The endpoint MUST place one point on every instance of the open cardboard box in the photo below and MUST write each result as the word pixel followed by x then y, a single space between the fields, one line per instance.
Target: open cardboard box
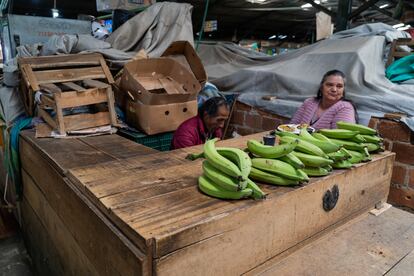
pixel 161 94
pixel 156 81
pixel 154 119
pixel 184 53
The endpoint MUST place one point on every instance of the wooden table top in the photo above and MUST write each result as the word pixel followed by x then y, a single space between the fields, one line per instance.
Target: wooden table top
pixel 65 154
pixel 153 196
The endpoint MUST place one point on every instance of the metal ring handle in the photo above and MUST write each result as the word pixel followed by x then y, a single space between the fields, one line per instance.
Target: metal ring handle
pixel 330 198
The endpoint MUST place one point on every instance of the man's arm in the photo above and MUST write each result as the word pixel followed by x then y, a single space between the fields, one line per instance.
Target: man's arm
pixel 183 140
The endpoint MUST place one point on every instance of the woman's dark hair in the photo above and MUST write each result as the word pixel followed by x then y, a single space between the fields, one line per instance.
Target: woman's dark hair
pixel 342 75
pixel 328 74
pixel 211 106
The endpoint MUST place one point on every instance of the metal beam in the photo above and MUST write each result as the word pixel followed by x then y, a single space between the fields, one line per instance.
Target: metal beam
pixel 270 9
pixel 344 9
pixel 385 12
pixel 362 8
pixel 321 8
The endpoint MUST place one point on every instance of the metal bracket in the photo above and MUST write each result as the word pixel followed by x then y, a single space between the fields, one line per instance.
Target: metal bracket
pixel 330 198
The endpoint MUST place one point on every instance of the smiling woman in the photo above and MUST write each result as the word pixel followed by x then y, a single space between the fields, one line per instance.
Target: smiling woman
pixel 329 106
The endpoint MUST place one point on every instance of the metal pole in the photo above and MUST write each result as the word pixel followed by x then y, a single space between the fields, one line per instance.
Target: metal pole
pixel 344 9
pixel 202 24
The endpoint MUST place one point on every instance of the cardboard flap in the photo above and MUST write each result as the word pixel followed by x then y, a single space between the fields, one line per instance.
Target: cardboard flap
pixel 159 81
pixel 184 53
pixel 171 86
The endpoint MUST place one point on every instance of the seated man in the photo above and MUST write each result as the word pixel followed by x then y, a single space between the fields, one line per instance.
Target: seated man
pixel 206 125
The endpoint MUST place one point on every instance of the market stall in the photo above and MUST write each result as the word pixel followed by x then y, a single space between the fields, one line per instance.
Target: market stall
pixel 94 203
pixel 127 210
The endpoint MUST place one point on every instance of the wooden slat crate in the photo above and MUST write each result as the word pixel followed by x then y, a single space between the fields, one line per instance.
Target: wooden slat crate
pixel 66 82
pixel 397 53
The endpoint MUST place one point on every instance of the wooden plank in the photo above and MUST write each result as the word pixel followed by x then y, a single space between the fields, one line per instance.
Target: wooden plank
pixel 46 100
pixel 108 249
pixel 86 120
pixel 90 96
pixel 65 75
pixel 402 54
pixel 94 84
pixel 117 146
pixel 61 60
pixel 155 183
pixel 50 87
pixel 105 68
pixel 100 177
pixel 61 123
pixel 48 119
pixel 159 160
pixel 64 154
pixel 75 261
pixel 25 78
pixel 111 106
pixel 73 86
pixel 42 250
pixel 368 245
pixel 31 77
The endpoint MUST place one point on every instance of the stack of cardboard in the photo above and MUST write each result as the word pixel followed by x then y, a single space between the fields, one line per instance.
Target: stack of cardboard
pixel 162 92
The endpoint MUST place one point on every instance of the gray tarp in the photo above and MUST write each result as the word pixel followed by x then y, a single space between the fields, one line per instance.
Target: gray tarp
pixel 155 29
pixel 295 76
pixel 152 30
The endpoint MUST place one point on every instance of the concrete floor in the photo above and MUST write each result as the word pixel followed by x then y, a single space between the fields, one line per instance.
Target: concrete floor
pixel 14 260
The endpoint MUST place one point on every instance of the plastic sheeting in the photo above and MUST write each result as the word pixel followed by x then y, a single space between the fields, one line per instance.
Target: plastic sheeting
pixel 74 44
pixel 154 29
pixel 11 106
pixel 295 76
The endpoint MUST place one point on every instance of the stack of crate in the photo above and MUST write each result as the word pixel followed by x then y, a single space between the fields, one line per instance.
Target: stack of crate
pixel 69 83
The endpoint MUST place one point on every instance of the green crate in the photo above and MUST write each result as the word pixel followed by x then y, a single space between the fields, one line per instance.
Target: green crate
pixel 161 142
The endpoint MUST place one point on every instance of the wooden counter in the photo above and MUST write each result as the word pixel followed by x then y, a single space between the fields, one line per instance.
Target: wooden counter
pixel 133 211
pixel 65 233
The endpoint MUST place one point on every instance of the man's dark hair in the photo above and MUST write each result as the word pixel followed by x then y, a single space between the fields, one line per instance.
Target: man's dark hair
pixel 211 106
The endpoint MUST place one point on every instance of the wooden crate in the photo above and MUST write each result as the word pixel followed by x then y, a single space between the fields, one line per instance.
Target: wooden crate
pixel 67 82
pixel 395 52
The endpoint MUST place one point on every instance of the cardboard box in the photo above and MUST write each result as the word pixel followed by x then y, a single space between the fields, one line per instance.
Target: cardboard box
pixel 108 5
pixel 160 94
pixel 154 119
pixel 157 81
pixel 184 53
